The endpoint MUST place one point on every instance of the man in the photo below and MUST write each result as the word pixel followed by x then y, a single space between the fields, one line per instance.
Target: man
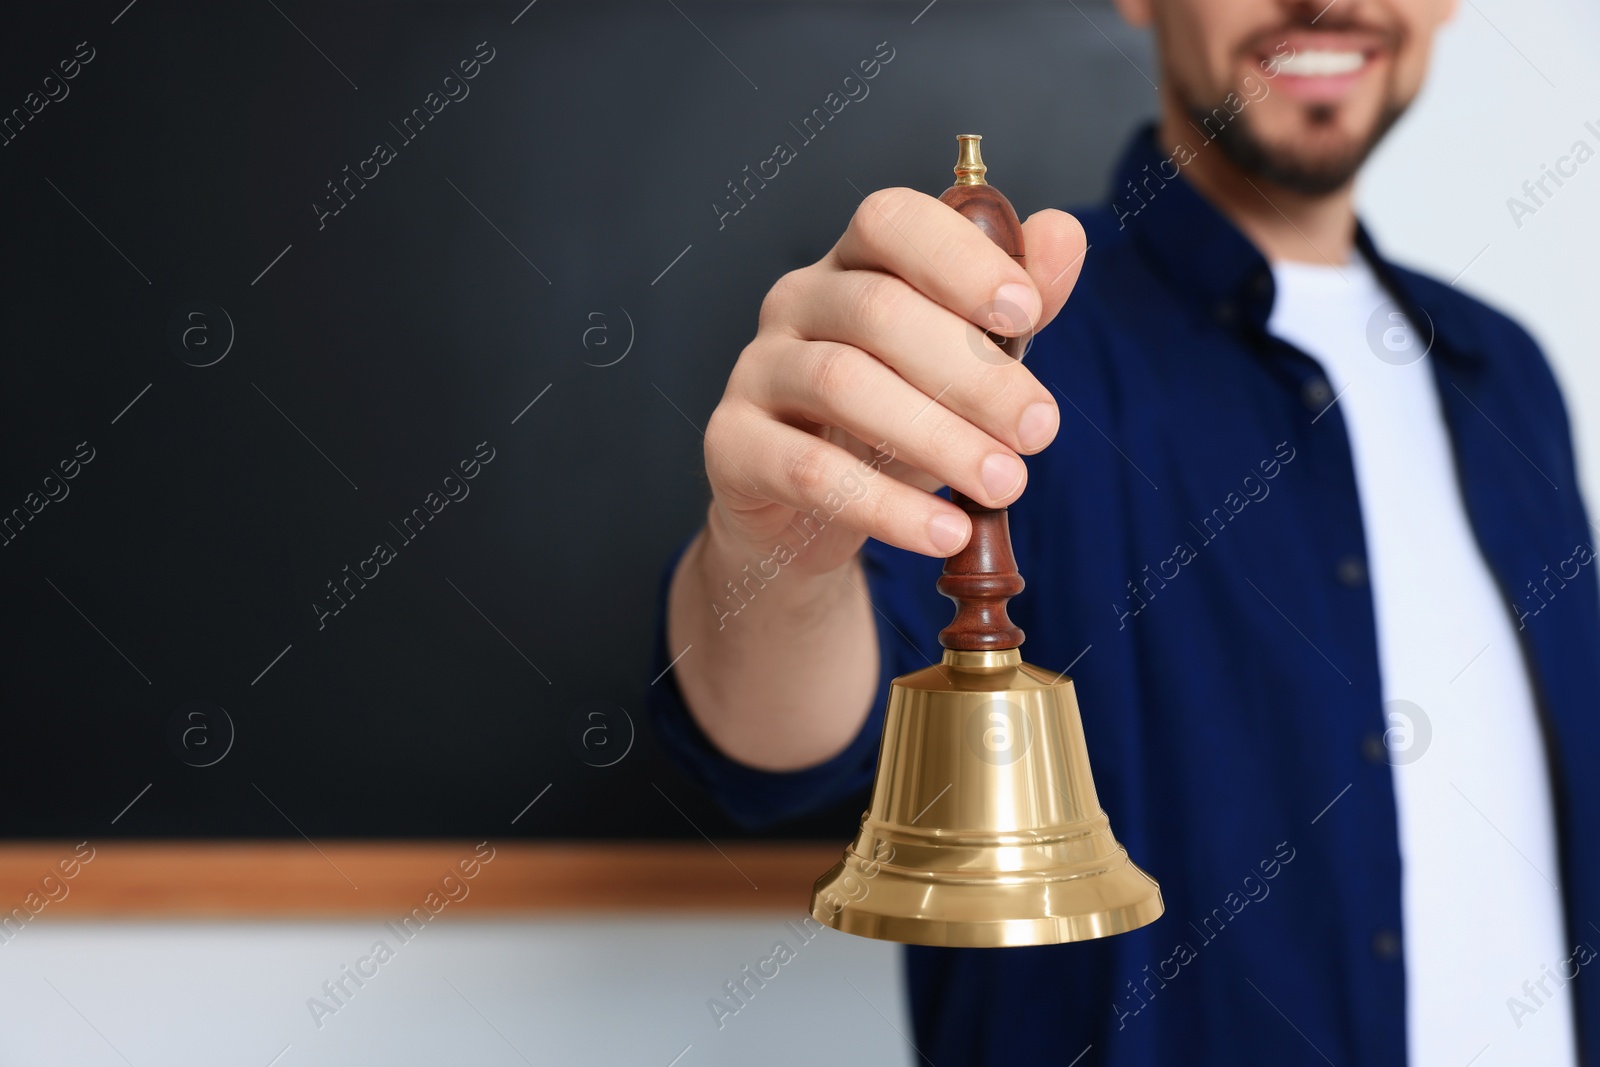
pixel 1314 552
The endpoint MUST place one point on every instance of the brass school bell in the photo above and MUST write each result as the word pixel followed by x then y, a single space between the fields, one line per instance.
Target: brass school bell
pixel 984 829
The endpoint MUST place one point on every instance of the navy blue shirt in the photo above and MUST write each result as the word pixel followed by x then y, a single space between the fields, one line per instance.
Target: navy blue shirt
pixel 1193 547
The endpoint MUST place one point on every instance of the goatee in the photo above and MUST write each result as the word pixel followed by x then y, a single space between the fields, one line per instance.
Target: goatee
pixel 1282 167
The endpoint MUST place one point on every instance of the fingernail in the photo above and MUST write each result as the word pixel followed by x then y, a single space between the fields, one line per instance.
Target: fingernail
pixel 1037 427
pixel 1002 474
pixel 947 532
pixel 1014 301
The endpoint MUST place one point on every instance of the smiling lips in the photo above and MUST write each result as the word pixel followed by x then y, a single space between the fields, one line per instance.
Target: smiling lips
pixel 1324 67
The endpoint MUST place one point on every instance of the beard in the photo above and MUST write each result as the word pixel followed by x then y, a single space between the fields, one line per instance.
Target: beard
pixel 1303 172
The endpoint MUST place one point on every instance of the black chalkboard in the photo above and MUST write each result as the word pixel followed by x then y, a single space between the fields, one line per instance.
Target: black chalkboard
pixel 284 282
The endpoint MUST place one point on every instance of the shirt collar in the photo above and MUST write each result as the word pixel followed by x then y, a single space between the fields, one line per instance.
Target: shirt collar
pixel 1213 265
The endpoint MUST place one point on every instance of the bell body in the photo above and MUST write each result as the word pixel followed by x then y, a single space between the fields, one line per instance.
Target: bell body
pixel 984 828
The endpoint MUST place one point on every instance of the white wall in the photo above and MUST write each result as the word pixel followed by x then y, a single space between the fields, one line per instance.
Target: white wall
pixel 1435 195
pixel 572 992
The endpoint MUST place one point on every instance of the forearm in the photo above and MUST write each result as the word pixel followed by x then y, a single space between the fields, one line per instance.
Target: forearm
pixel 786 682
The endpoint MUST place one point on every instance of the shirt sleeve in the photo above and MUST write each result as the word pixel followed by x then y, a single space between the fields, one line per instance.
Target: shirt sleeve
pixel 757 798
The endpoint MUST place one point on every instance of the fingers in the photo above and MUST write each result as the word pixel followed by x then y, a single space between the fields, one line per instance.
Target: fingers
pixel 825 484
pixel 930 347
pixel 885 340
pixel 1056 248
pixel 834 384
pixel 941 254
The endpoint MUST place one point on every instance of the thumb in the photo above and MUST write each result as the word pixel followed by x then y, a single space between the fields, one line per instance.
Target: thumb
pixel 1056 246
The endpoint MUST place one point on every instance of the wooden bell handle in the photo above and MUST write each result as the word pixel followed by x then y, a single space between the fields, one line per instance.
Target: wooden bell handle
pixel 983 575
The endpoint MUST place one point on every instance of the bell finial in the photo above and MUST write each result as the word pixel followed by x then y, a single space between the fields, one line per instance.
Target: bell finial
pixel 969 163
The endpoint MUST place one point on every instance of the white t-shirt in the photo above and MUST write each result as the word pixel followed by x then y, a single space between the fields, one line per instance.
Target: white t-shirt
pixel 1480 909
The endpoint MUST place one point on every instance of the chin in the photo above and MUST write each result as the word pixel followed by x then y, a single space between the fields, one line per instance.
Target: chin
pixel 1316 152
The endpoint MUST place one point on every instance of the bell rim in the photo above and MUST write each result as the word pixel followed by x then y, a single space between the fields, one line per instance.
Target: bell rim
pixel 941 912
pixel 1006 932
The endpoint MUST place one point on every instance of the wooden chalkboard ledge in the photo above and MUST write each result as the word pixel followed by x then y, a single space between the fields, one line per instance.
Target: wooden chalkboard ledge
pixel 230 879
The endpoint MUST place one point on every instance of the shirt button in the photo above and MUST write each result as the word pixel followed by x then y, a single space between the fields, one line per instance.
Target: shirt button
pixel 1386 945
pixel 1316 393
pixel 1225 311
pixel 1261 285
pixel 1373 750
pixel 1352 571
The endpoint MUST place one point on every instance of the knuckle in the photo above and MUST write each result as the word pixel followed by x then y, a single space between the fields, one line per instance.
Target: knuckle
pixel 1001 393
pixel 806 470
pixel 749 374
pixel 717 426
pixel 874 220
pixel 986 394
pixel 947 436
pixel 784 294
pixel 719 429
pixel 831 370
pixel 875 303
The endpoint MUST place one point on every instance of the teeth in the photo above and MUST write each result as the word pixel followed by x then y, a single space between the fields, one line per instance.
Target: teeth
pixel 1321 63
